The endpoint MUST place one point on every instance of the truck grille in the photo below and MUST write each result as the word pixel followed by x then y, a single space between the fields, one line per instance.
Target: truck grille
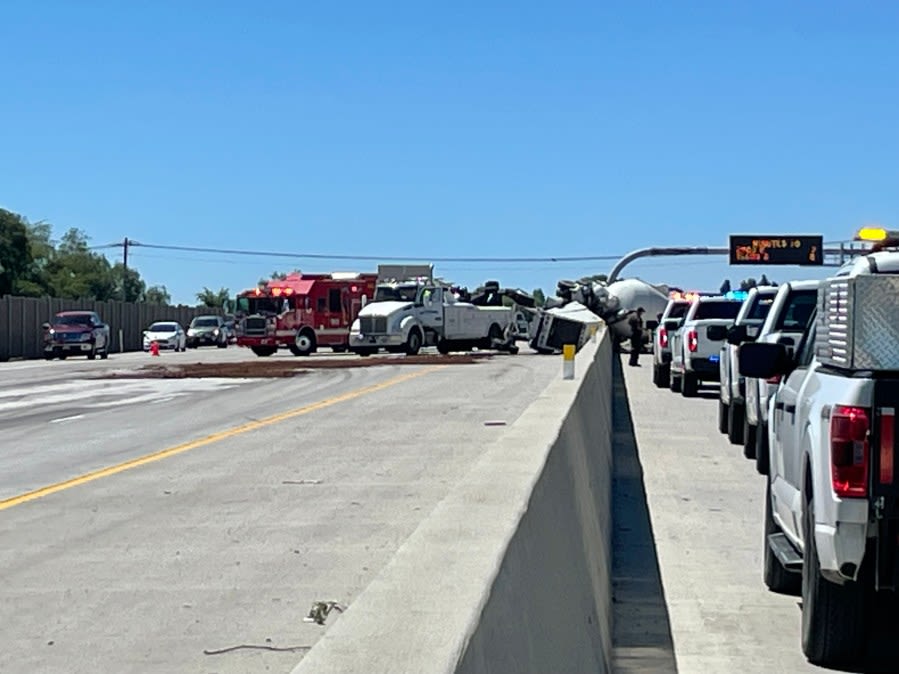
pixel 371 325
pixel 254 326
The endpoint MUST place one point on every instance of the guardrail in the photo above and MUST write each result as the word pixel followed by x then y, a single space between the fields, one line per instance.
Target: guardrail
pixel 21 319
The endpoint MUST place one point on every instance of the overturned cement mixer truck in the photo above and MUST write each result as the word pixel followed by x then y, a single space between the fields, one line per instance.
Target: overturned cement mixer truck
pixel 580 307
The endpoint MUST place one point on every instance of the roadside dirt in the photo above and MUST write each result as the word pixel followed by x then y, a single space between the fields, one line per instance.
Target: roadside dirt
pixel 263 368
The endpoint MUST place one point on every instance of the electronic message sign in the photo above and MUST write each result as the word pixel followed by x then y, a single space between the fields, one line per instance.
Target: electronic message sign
pixel 777 250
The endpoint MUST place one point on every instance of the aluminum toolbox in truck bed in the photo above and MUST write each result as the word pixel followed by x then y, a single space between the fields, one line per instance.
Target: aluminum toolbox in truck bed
pixel 858 322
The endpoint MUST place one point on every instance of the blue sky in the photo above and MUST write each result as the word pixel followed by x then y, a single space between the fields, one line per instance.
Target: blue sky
pixel 459 129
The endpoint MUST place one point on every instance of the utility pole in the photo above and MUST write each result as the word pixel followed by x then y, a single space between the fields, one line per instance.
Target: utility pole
pixel 125 245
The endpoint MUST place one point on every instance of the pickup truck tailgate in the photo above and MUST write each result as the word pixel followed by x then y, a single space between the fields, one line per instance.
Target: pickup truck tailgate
pixel 884 485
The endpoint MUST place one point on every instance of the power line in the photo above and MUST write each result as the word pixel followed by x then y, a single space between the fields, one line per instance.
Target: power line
pixel 383 258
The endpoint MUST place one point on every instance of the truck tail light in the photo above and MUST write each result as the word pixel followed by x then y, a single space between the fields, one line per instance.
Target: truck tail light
pixel 849 452
pixel 692 341
pixel 663 338
pixel 887 434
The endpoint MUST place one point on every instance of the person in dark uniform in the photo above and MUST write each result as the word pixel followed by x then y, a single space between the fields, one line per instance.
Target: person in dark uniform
pixel 636 325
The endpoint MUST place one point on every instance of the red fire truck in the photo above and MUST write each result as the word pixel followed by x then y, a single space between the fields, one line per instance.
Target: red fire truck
pixel 301 312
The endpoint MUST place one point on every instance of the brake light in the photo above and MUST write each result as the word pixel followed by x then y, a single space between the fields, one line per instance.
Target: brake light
pixel 887 429
pixel 663 337
pixel 692 341
pixel 849 455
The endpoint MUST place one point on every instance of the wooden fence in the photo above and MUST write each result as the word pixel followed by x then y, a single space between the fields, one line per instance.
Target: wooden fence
pixel 21 318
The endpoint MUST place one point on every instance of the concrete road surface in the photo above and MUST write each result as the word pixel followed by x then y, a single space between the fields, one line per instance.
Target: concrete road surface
pixel 706 504
pixel 176 517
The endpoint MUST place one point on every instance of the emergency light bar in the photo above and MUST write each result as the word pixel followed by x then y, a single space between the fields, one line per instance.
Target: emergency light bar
pixel 736 294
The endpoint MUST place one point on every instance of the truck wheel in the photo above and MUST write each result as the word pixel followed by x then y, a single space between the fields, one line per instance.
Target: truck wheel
pixel 304 344
pixel 735 416
pixel 92 354
pixel 750 433
pixel 494 335
pixel 690 385
pixel 722 417
pixel 48 356
pixel 339 348
pixel 762 450
pixel 664 376
pixel 777 578
pixel 263 351
pixel 443 347
pixel 413 345
pixel 834 621
pixel 105 353
pixel 675 383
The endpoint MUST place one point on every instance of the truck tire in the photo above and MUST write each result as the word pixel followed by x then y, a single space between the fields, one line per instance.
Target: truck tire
pixel 750 434
pixel 443 347
pixel 722 417
pixel 494 335
pixel 413 344
pixel 762 450
pixel 339 348
pixel 834 625
pixel 675 384
pixel 92 354
pixel 777 578
pixel 263 351
pixel 664 376
pixel 690 385
pixel 655 374
pixel 735 415
pixel 303 343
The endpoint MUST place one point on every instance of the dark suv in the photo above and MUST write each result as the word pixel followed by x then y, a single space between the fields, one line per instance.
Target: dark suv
pixel 207 331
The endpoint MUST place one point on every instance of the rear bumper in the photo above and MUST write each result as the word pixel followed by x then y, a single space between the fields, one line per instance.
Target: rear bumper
pixel 705 368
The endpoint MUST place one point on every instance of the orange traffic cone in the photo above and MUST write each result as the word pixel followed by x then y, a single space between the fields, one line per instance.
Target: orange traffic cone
pixel 154 348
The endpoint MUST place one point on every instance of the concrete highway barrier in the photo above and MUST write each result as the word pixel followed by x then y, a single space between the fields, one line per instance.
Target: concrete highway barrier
pixel 512 571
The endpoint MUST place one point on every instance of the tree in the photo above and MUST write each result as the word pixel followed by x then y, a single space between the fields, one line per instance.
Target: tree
pixel 129 286
pixel 539 297
pixel 15 251
pixel 74 272
pixel 157 295
pixel 725 287
pixel 211 298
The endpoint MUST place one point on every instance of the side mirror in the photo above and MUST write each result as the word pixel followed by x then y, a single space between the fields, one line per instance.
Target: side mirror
pixel 762 360
pixel 716 333
pixel 45 327
pixel 737 334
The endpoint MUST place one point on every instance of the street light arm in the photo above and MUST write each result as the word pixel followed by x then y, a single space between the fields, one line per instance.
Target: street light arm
pixel 655 252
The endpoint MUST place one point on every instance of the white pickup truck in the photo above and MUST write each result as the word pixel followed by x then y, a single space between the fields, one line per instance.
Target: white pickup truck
pixel 661 348
pixel 696 344
pixel 786 322
pixel 746 327
pixel 435 317
pixel 832 507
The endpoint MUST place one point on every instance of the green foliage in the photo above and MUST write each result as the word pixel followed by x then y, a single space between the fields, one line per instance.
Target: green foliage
pixel 539 297
pixel 212 298
pixel 157 295
pixel 67 269
pixel 15 250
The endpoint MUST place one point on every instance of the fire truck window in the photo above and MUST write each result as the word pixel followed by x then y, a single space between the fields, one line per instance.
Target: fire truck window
pixel 334 300
pixel 320 306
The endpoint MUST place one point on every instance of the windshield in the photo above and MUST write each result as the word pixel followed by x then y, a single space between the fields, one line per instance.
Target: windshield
pixel 761 308
pixel 264 305
pixel 801 304
pixel 396 293
pixel 74 319
pixel 723 309
pixel 678 310
pixel 162 327
pixel 205 322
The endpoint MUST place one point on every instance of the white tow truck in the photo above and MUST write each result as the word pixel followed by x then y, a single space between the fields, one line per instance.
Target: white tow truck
pixel 696 344
pixel 428 314
pixel 832 507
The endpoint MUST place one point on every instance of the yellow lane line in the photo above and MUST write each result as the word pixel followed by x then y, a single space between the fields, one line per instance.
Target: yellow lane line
pixel 208 440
